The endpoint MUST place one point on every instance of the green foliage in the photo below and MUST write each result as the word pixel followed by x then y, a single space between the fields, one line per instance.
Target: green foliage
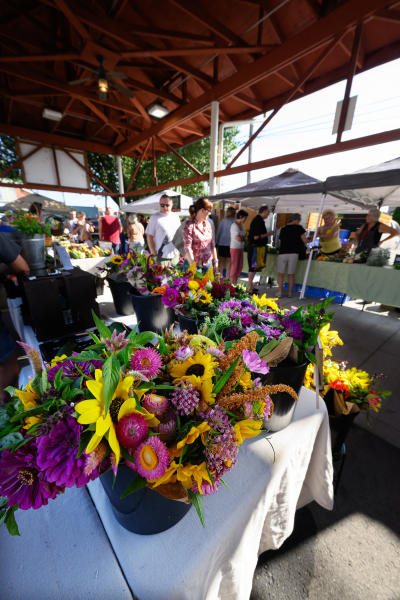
pixel 197 501
pixel 396 214
pixel 169 167
pixel 8 156
pixel 26 223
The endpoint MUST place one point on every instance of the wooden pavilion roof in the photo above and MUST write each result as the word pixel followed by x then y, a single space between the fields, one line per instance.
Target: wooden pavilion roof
pixel 251 55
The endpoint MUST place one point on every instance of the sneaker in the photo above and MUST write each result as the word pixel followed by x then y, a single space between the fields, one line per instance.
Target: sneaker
pixel 290 295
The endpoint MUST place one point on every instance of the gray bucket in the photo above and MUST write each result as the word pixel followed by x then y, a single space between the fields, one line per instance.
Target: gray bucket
pixel 33 251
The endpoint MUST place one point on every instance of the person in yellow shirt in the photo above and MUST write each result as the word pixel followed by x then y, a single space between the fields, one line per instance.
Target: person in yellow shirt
pixel 328 233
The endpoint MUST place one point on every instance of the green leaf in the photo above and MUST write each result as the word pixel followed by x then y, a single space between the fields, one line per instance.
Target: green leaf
pixel 162 346
pixel 224 378
pixel 111 373
pixel 43 381
pixel 137 484
pixel 10 521
pixel 197 501
pixel 132 334
pixel 84 439
pixel 58 379
pixel 267 348
pixel 86 355
pixel 94 337
pixel 102 328
pixel 143 338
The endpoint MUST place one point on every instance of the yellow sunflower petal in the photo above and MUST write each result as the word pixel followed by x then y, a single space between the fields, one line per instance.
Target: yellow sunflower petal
pixel 169 475
pixel 85 405
pixel 114 444
pixel 103 424
pixel 193 434
pixel 127 408
pixel 247 429
pixel 94 442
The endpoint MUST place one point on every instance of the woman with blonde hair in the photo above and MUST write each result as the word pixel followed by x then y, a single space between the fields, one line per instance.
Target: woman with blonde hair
pixel 135 234
pixel 328 233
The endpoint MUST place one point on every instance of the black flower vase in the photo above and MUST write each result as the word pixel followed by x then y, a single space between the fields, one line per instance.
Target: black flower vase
pixel 151 313
pixel 145 511
pixel 287 373
pixel 120 290
pixel 188 323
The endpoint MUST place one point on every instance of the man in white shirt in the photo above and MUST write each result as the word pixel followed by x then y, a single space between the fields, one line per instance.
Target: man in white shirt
pixel 160 232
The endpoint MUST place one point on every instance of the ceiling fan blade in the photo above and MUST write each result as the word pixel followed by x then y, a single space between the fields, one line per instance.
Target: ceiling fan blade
pixel 77 81
pixel 121 89
pixel 116 75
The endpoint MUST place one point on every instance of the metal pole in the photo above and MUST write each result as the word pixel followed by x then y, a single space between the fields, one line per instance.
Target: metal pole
pixel 303 287
pixel 250 158
pixel 120 180
pixel 213 144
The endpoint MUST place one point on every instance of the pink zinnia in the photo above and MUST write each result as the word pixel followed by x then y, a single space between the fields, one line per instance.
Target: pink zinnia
pixel 171 297
pixel 151 458
pixel 254 363
pixel 146 361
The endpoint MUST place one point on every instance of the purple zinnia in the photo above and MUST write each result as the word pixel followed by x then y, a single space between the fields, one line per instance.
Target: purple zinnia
pixel 57 454
pixel 270 332
pixel 232 304
pixel 147 361
pixel 254 363
pixel 72 369
pixel 22 481
pixel 171 297
pixel 245 319
pixel 294 329
pixel 186 399
pixel 181 283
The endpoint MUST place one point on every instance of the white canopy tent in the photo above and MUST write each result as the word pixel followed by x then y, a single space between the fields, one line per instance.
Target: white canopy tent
pixel 151 204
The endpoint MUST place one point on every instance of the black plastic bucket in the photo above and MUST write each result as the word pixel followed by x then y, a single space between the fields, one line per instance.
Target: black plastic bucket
pixel 188 324
pixel 291 374
pixel 145 511
pixel 120 291
pixel 151 313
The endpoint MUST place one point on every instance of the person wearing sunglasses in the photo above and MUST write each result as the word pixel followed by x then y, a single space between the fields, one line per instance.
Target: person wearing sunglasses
pixel 160 232
pixel 198 237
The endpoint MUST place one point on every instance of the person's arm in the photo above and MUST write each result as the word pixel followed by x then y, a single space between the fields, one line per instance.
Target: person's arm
pixel 329 233
pixel 386 229
pixel 150 241
pixel 303 239
pixel 100 229
pixel 187 235
pixel 354 235
pixel 120 226
pixel 19 265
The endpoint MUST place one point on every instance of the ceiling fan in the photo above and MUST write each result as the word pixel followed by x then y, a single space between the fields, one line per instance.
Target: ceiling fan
pixel 104 79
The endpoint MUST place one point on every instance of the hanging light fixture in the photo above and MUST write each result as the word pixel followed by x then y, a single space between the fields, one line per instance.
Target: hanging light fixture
pixel 102 81
pixel 157 110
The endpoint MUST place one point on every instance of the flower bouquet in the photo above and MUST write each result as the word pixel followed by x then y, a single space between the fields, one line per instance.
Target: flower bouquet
pixel 173 409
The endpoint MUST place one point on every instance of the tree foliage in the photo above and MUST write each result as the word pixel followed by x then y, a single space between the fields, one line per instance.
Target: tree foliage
pixel 8 156
pixel 169 167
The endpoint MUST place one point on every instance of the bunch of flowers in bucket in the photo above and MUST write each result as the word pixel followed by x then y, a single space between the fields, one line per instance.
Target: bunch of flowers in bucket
pixel 139 270
pixel 283 334
pixel 196 294
pixel 174 409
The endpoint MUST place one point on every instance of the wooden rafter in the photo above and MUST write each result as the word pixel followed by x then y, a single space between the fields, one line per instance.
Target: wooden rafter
pixel 156 52
pixel 181 158
pixel 72 18
pixel 88 171
pixel 20 160
pixel 135 172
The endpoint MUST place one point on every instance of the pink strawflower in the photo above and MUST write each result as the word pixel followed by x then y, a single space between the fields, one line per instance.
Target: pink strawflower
pixel 132 430
pixel 183 353
pixel 206 488
pixel 158 405
pixel 151 458
pixel 254 363
pixel 147 361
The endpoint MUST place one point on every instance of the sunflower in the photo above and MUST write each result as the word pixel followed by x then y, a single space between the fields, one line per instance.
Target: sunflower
pixel 201 365
pixel 92 411
pixel 203 297
pixel 265 302
pixel 117 260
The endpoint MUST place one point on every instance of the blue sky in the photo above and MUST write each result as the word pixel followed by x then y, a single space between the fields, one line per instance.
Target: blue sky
pixel 307 123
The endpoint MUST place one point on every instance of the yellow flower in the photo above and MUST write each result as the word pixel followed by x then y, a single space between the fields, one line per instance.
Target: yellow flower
pixel 247 429
pixel 193 285
pixel 203 296
pixel 57 359
pixel 264 301
pixel 245 380
pixel 168 477
pixel 92 411
pixel 329 339
pixel 117 260
pixel 186 474
pixel 193 434
pixel 200 364
pixel 28 398
pixel 309 377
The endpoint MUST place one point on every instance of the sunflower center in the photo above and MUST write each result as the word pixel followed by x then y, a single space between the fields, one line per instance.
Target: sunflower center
pixel 26 476
pixel 148 457
pixel 196 370
pixel 114 409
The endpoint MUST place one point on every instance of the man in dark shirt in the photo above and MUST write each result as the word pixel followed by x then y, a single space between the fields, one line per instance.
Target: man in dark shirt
pixel 292 244
pixel 258 236
pixel 10 255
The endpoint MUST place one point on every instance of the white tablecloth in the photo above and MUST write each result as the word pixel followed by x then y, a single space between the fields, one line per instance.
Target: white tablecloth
pixel 255 514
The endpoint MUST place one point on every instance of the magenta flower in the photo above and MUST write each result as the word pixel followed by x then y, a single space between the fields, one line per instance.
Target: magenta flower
pixel 171 297
pixel 167 430
pixel 254 363
pixel 116 342
pixel 151 458
pixel 269 408
pixel 72 369
pixel 22 481
pixel 132 430
pixel 207 488
pixel 158 405
pixel 147 361
pixel 185 399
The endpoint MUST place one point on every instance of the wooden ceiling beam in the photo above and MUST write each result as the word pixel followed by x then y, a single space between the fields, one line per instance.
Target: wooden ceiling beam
pixel 55 139
pixel 72 18
pixel 181 158
pixel 306 42
pixel 352 69
pixel 392 16
pixel 155 52
pixel 197 12
pixel 62 56
pixel 135 172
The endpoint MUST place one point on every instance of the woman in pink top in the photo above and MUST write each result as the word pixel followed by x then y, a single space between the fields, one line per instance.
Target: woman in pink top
pixel 198 239
pixel 109 229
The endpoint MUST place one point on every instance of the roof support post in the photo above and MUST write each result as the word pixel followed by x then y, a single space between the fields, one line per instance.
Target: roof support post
pixel 120 180
pixel 304 284
pixel 213 145
pixel 353 65
pixel 135 172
